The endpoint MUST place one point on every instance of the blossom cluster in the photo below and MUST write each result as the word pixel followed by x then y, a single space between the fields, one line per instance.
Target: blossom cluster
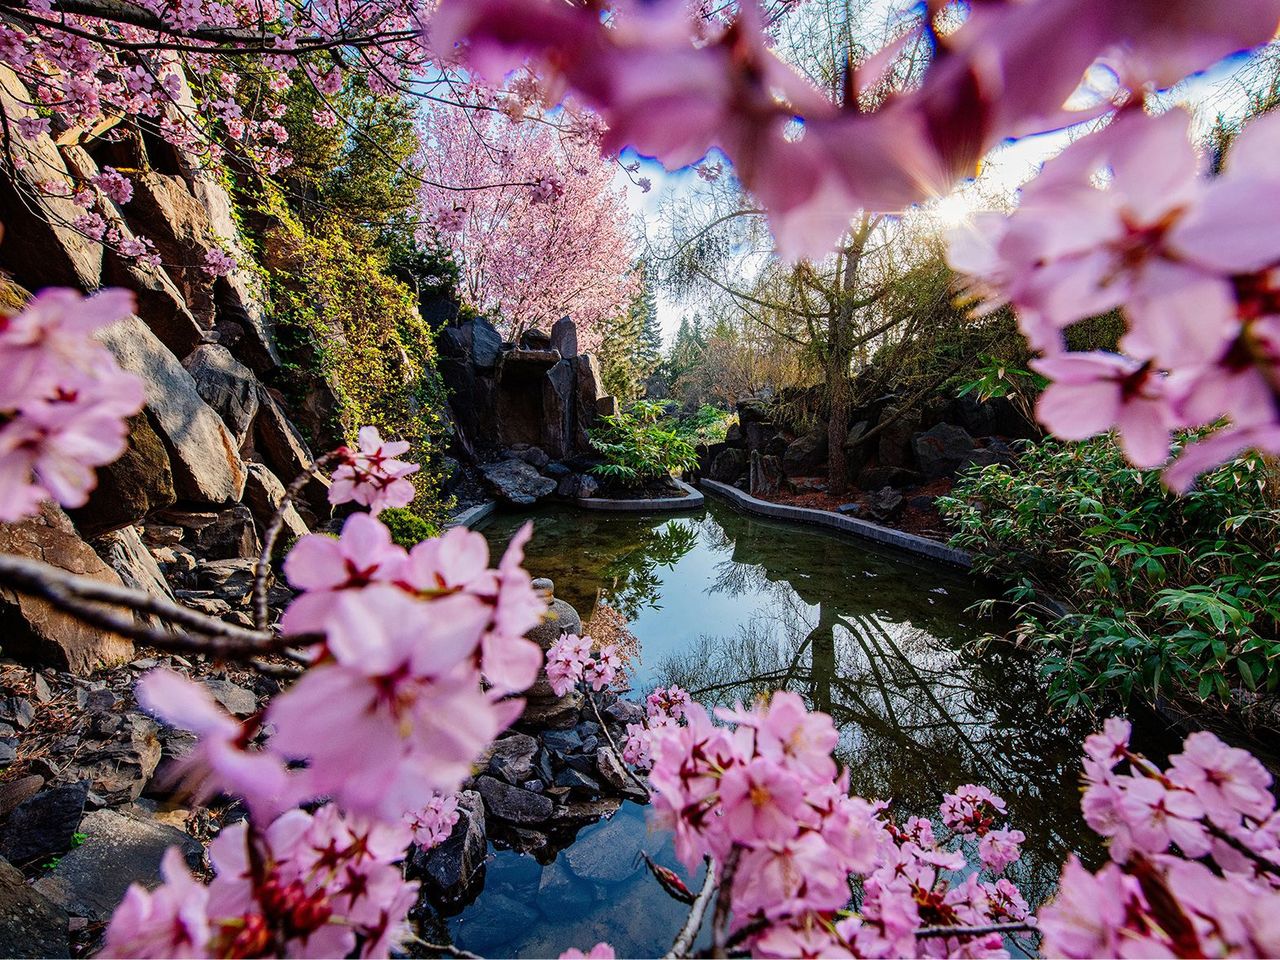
pixel 1195 855
pixel 664 707
pixel 63 399
pixel 572 660
pixel 765 800
pixel 1126 218
pixel 417 656
pixel 371 475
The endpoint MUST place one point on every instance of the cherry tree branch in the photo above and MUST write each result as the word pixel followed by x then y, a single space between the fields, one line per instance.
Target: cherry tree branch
pixel 724 902
pixel 697 911
pixel 614 747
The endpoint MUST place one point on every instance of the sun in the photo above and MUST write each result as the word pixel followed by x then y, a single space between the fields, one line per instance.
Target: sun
pixel 951 211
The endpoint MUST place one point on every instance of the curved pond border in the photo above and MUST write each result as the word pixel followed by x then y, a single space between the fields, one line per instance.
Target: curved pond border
pixel 921 546
pixel 472 515
pixel 691 501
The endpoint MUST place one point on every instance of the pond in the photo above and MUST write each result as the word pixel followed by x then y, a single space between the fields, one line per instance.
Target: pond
pixel 730 607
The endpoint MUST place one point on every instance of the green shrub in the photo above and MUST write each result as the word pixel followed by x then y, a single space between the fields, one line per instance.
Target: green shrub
pixel 709 425
pixel 639 446
pixel 1165 595
pixel 407 528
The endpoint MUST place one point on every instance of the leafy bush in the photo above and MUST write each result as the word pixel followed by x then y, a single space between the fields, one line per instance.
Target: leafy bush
pixel 709 425
pixel 407 528
pixel 1168 595
pixel 638 446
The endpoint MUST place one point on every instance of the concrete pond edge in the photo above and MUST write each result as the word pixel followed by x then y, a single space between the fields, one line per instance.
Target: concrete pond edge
pixel 472 515
pixel 886 536
pixel 691 501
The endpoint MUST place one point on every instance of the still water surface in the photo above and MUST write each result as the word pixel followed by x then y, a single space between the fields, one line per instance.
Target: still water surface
pixel 729 607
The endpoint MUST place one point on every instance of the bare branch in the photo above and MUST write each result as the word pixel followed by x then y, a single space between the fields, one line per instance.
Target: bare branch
pixel 693 923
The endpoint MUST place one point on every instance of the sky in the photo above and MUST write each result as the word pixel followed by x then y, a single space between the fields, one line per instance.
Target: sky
pixel 1004 170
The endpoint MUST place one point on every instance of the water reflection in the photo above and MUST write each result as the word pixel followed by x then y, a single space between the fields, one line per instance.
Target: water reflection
pixel 731 607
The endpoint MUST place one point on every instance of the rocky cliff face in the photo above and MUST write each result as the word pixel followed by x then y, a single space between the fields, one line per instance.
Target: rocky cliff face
pixel 209 456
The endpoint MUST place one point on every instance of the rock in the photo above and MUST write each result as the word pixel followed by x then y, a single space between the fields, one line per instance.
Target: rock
pixel 615 774
pixel 202 452
pixel 591 392
pixel 558 885
pixel 729 465
pixel 578 486
pixel 849 509
pixel 733 436
pixel 535 339
pixel 263 493
pixel 31 925
pixel 608 853
pixel 486 345
pixel 226 385
pixel 894 448
pixel 557 470
pixel 125 553
pixel 17 711
pixel 607 407
pixel 39 246
pixel 161 308
pixel 558 406
pixel 286 453
pixel 855 452
pixel 563 741
pixel 885 503
pixel 515 482
pixel 513 804
pixel 564 337
pixel 554 713
pixel 979 418
pixel 806 455
pixel 43 826
pixel 576 780
pixel 32 629
pixel 920 502
pixel 225 535
pixel 118 850
pixel 492 921
pixel 577 812
pixel 512 758
pixel 236 699
pixel 752 410
pixel 455 863
pixel 14 792
pixel 130 488
pixel 873 478
pixel 765 476
pixel 942 450
pixel 535 457
pixel 119 756
pixel 515 360
pixel 624 712
pixel 231 580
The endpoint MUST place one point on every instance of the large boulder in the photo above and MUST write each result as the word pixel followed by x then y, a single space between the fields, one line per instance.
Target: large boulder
pixel 127 555
pixel 217 535
pixel 486 344
pixel 263 493
pixel 564 337
pixel 226 385
pixel 202 452
pixel 39 247
pixel 558 403
pixel 894 448
pixel 806 455
pixel 942 450
pixel 855 450
pixel 578 486
pixel 130 488
pixel 281 446
pixel 729 465
pixel 590 392
pixel 31 925
pixel 34 630
pixel 517 483
pixel 160 304
pixel 513 804
pixel 765 475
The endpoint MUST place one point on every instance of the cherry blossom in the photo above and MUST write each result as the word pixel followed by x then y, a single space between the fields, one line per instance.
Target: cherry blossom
pixel 170 921
pixel 372 476
pixel 601 951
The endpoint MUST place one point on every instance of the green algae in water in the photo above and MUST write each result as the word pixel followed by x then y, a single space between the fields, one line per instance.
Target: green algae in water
pixel 731 607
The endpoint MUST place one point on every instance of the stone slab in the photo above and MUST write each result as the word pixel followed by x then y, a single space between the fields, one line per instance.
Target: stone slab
pixel 909 542
pixel 693 501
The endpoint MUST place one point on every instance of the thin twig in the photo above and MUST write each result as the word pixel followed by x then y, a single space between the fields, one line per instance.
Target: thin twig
pixel 85 598
pixel 273 533
pixel 614 747
pixel 451 950
pixel 720 920
pixel 1025 926
pixel 1267 866
pixel 697 911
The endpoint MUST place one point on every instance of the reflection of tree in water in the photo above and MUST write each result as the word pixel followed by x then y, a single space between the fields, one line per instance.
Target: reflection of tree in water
pixel 630 583
pixel 916 716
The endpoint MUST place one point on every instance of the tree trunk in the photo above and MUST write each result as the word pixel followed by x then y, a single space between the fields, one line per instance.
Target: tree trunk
pixel 840 356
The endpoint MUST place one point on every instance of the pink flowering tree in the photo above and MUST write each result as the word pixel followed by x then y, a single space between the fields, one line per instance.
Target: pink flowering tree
pixel 533 216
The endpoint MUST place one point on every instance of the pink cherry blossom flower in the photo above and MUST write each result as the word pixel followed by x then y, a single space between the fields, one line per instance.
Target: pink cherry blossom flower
pixel 788 732
pixel 667 701
pixel 1228 781
pixel 1110 745
pixel 372 476
pixel 970 809
pixel 219 263
pixel 114 184
pixel 33 127
pixel 169 921
pixel 432 824
pixel 1157 816
pixel 760 802
pixel 1095 392
pixel 999 848
pixel 222 759
pixel 601 951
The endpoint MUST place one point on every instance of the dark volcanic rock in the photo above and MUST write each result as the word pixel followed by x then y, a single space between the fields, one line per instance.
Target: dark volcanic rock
pixel 805 456
pixel 512 758
pixel 943 449
pixel 513 804
pixel 30 924
pixel 515 482
pixel 453 865
pixel 885 503
pixel 578 486
pixel 42 826
pixel 564 337
pixel 118 850
pixel 136 484
pixel 729 465
pixel 765 476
